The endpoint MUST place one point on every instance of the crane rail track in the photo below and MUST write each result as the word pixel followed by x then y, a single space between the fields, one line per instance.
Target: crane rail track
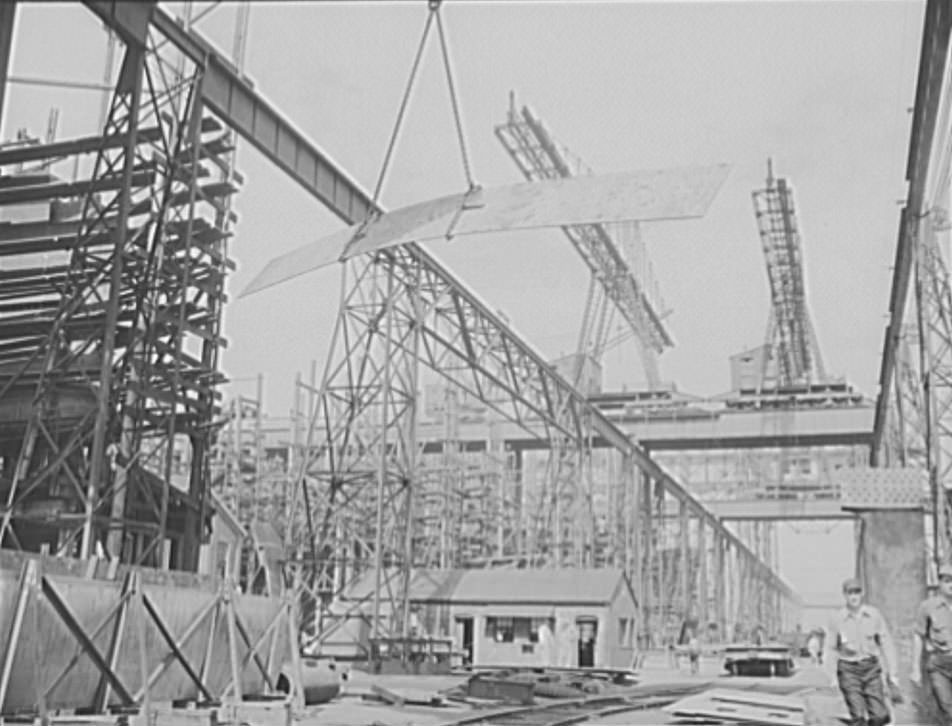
pixel 565 712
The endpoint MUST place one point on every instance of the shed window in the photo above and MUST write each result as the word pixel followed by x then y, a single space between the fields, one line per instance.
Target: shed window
pixel 626 632
pixel 502 630
pixel 535 624
pixel 511 630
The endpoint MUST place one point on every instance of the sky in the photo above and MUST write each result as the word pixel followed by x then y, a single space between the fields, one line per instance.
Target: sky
pixel 823 88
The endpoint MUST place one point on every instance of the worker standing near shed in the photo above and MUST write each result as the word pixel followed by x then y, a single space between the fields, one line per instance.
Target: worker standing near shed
pixel 855 645
pixel 933 638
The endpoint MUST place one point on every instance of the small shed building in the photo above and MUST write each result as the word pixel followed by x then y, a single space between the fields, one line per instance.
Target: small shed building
pixel 551 617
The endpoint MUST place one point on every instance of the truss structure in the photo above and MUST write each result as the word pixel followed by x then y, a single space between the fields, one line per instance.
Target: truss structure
pixel 128 341
pixel 368 493
pixel 110 322
pixel 614 283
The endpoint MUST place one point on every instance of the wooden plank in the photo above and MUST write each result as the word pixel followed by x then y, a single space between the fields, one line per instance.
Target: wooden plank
pixel 38 245
pixel 43 192
pixel 82 145
pixel 27 576
pixel 386 694
pixel 412 696
pixel 744 706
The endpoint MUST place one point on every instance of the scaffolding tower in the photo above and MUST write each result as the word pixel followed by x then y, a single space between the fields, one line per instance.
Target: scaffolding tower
pixel 791 339
pixel 110 321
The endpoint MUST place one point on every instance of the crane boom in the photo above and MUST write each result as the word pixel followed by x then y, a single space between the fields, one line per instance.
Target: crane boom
pixel 539 157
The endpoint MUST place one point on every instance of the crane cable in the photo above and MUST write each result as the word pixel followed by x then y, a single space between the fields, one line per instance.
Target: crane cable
pixel 403 107
pixel 454 101
pixel 434 7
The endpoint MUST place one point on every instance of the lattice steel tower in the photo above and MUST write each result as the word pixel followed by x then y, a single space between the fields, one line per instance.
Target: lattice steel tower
pixel 791 339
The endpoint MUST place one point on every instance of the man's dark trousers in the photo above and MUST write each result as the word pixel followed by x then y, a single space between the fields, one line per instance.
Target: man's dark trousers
pixel 861 683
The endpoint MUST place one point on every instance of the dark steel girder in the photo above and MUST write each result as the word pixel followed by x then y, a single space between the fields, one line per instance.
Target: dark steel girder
pixel 8 12
pixel 935 45
pixel 244 110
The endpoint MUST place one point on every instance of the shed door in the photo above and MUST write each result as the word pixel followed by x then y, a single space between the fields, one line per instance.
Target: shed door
pixel 587 636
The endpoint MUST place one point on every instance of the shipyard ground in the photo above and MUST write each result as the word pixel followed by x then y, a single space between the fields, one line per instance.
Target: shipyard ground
pixel 825 706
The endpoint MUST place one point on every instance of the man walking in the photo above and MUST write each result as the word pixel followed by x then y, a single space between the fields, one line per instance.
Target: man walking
pixel 856 643
pixel 933 636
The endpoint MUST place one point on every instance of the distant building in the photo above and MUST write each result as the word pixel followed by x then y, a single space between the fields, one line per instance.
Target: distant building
pixel 753 369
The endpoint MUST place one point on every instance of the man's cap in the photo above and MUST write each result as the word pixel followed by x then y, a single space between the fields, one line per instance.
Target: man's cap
pixel 852 583
pixel 945 570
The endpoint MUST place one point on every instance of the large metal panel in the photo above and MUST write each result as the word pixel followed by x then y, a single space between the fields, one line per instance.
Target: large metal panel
pixel 46 647
pixel 639 195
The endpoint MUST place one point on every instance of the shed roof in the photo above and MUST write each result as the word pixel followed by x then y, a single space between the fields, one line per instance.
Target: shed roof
pixel 425 584
pixel 591 586
pixel 583 586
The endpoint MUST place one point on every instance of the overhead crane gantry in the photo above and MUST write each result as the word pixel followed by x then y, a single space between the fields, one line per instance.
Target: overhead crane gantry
pixel 485 351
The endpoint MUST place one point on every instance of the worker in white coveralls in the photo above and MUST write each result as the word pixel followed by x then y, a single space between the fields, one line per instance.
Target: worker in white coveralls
pixel 857 650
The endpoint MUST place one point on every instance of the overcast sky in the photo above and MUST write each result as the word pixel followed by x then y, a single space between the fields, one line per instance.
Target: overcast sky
pixel 824 88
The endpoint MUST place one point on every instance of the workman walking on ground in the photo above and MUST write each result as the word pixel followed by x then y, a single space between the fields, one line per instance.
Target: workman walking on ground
pixel 933 636
pixel 855 646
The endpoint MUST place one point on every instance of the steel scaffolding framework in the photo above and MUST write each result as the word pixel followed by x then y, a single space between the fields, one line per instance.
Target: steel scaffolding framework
pixel 111 322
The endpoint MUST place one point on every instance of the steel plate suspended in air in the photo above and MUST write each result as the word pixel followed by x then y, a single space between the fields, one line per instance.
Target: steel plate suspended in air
pixel 641 195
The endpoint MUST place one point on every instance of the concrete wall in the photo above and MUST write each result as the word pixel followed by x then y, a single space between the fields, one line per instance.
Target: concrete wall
pixel 892 566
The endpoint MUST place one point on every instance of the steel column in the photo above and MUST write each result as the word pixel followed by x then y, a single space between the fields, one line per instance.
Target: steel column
pixel 684 564
pixel 8 11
